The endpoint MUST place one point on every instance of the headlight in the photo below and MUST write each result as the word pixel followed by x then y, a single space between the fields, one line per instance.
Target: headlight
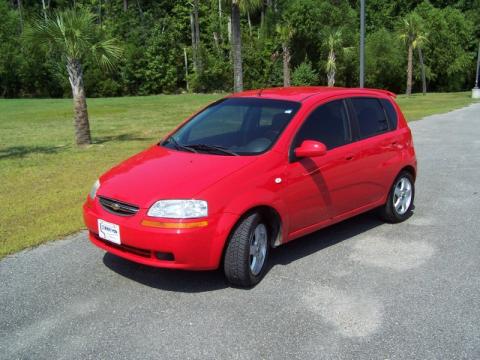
pixel 95 187
pixel 179 209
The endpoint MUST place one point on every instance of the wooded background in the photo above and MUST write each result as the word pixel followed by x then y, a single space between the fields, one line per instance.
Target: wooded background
pixel 157 36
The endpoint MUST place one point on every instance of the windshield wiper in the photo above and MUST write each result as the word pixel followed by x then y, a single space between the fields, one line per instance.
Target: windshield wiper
pixel 211 148
pixel 179 146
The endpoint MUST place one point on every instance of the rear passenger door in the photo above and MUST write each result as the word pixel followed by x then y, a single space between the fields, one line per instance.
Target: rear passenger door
pixel 376 147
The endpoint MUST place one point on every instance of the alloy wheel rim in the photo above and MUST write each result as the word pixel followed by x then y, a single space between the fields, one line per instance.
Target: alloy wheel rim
pixel 258 249
pixel 402 195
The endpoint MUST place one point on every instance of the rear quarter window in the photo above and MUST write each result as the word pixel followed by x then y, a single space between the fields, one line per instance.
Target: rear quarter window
pixel 391 113
pixel 371 117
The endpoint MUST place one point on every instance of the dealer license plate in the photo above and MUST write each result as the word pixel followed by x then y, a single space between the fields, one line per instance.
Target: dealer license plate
pixel 109 231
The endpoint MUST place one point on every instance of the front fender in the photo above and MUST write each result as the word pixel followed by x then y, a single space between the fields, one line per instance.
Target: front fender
pixel 250 199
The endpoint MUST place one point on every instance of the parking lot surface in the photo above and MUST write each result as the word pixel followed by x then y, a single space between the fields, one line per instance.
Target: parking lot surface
pixel 361 289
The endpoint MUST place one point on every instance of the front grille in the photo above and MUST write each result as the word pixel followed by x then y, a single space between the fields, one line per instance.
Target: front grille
pixel 117 207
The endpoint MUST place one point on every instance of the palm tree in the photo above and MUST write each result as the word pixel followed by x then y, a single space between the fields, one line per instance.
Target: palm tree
pixel 422 67
pixel 334 40
pixel 236 7
pixel 72 35
pixel 285 33
pixel 411 33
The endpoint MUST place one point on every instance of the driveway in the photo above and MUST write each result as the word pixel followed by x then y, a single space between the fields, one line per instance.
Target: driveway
pixel 359 290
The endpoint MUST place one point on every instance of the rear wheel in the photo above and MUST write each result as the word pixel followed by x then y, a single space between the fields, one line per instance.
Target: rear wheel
pixel 399 203
pixel 247 251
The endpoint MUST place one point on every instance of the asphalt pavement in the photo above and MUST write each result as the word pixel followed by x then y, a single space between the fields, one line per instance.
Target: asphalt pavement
pixel 361 289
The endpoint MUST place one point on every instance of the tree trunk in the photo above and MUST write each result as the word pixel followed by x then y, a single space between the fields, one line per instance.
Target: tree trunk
pixel 82 126
pixel 262 18
pixel 409 70
pixel 237 49
pixel 249 23
pixel 195 18
pixel 125 5
pixel 286 65
pixel 197 35
pixel 220 19
pixel 194 43
pixel 422 66
pixel 229 29
pixel 100 12
pixel 216 40
pixel 19 7
pixel 44 10
pixel 332 69
pixel 186 67
pixel 140 10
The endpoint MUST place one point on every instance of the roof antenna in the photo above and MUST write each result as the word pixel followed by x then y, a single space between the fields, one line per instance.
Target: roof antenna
pixel 260 92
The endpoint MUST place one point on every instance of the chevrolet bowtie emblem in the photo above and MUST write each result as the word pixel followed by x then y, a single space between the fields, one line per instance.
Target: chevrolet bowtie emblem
pixel 115 206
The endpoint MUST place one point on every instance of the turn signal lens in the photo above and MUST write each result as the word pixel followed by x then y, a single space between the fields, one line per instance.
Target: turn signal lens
pixel 174 225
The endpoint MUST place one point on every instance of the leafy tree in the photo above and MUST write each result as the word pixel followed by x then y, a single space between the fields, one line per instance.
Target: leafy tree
pixel 263 63
pixel 412 34
pixel 10 56
pixel 163 68
pixel 452 47
pixel 385 61
pixel 155 34
pixel 305 75
pixel 72 34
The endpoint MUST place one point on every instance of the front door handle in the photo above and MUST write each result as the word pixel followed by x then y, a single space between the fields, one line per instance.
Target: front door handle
pixel 349 157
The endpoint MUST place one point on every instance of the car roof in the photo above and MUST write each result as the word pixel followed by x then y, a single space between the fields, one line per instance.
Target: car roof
pixel 301 93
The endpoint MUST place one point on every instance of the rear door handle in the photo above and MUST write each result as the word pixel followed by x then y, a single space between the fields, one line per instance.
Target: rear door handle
pixel 349 157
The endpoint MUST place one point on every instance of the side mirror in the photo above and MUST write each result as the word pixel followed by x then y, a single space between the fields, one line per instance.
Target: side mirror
pixel 310 148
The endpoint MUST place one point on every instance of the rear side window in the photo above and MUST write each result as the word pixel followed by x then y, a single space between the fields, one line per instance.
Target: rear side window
pixel 371 116
pixel 391 113
pixel 327 124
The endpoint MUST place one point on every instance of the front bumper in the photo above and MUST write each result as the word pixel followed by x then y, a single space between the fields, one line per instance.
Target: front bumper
pixel 191 249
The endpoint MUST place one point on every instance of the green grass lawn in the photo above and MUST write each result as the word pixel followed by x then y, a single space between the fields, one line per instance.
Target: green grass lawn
pixel 45 178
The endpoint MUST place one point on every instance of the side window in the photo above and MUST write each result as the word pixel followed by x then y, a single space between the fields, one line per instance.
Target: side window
pixel 327 124
pixel 370 115
pixel 391 113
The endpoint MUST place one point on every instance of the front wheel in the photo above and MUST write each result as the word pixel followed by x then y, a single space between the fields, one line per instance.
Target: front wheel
pixel 399 203
pixel 247 251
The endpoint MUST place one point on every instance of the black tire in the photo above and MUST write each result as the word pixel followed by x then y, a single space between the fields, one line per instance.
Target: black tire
pixel 389 212
pixel 237 254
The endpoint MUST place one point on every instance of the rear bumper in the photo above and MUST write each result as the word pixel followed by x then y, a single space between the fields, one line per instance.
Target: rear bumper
pixel 191 249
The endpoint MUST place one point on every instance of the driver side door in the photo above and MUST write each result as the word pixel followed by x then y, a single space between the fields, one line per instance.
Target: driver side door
pixel 318 188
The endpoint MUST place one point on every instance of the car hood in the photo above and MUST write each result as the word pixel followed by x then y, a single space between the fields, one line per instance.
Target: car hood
pixel 161 173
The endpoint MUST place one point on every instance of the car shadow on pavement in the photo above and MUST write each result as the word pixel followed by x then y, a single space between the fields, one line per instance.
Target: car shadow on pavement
pixel 324 238
pixel 203 281
pixel 166 279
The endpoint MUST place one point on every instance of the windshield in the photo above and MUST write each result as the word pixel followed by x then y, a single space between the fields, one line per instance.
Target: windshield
pixel 234 126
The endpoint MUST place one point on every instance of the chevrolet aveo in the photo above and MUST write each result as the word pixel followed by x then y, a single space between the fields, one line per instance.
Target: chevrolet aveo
pixel 253 171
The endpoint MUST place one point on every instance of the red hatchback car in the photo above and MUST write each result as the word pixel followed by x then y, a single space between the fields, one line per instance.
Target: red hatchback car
pixel 251 172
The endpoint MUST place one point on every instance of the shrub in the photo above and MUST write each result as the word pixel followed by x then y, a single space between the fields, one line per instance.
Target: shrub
pixel 304 74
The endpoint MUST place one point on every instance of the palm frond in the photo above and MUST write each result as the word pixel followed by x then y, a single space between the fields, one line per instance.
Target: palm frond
pixel 333 39
pixel 285 32
pixel 249 5
pixel 74 33
pixel 107 53
pixel 411 30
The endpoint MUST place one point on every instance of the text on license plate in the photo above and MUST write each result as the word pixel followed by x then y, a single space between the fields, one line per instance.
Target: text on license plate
pixel 109 231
